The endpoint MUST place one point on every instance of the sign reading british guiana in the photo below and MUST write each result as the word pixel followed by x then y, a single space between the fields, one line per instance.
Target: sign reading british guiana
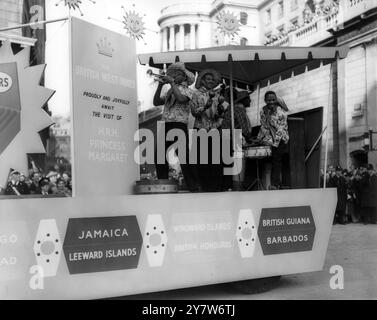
pixel 102 244
pixel 286 230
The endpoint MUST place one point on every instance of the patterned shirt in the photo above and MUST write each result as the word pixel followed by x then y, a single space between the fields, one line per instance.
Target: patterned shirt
pixel 205 118
pixel 175 111
pixel 241 120
pixel 274 126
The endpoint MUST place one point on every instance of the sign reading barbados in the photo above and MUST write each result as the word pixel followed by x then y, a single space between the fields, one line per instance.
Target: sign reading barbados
pixel 286 230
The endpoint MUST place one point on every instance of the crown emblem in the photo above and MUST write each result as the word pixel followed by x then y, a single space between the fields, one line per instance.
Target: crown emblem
pixel 105 48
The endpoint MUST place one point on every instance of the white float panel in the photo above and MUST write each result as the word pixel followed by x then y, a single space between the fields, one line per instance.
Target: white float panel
pixel 105 241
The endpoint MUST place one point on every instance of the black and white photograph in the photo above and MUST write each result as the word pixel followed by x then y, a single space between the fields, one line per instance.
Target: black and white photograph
pixel 188 154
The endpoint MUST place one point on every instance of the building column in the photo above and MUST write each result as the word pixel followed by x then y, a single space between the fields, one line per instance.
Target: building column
pixel 192 36
pixel 164 33
pixel 182 37
pixel 204 28
pixel 343 144
pixel 371 77
pixel 172 38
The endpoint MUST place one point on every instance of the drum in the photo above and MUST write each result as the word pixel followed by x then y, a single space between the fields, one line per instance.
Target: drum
pixel 257 152
pixel 155 186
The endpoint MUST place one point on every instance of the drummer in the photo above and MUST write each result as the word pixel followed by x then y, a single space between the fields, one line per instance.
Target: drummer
pixel 241 121
pixel 274 133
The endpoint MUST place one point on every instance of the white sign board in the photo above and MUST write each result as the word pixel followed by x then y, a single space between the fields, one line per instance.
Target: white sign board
pixel 104 109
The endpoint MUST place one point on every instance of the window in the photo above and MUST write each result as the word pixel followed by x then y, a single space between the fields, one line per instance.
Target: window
pixel 281 28
pixel 281 9
pixel 243 42
pixel 243 18
pixel 268 16
pixel 294 5
pixel 294 22
pixel 294 25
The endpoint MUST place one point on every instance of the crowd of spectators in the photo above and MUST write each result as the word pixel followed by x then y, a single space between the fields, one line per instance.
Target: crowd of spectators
pixel 36 183
pixel 357 193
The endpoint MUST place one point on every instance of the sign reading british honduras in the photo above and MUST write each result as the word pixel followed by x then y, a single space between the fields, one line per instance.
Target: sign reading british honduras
pixel 102 244
pixel 201 237
pixel 286 230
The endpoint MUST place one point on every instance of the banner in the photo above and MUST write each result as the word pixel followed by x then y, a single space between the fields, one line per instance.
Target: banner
pixel 104 102
pixel 34 11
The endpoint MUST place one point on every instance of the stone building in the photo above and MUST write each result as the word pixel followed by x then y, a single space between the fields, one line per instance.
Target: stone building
pixel 192 24
pixel 349 101
pixel 353 108
pixel 10 15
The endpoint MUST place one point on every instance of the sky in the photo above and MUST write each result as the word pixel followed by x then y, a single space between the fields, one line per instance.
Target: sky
pixel 57 70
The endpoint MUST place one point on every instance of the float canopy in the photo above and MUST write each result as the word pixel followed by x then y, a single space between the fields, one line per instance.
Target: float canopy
pixel 250 64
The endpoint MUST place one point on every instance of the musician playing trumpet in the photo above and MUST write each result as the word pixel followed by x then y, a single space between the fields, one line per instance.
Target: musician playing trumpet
pixel 175 115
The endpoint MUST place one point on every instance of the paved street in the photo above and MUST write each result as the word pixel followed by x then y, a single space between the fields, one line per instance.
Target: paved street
pixel 353 246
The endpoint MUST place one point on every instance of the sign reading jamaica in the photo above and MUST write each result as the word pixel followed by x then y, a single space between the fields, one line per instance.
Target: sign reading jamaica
pixel 286 230
pixel 102 244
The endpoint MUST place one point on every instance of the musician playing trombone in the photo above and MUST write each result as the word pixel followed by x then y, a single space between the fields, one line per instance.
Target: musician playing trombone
pixel 205 108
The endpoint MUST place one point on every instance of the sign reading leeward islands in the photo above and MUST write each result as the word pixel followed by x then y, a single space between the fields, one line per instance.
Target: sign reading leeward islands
pixel 286 230
pixel 102 244
pixel 104 108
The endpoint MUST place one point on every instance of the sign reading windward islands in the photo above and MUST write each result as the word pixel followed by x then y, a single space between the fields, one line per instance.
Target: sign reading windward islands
pixel 102 244
pixel 286 230
pixel 104 108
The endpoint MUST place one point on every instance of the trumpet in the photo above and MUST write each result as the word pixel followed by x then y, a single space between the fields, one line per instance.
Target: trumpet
pixel 157 75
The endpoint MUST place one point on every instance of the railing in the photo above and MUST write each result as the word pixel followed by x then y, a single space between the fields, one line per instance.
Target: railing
pixel 307 30
pixel 332 20
pixel 316 30
pixel 283 42
pixel 354 8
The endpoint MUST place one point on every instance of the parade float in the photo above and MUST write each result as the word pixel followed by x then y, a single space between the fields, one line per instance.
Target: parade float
pixel 106 241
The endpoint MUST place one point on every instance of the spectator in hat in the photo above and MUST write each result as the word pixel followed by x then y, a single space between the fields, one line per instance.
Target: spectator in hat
pixel 35 186
pixel 61 189
pixel 67 179
pixel 15 187
pixel 373 193
pixel 339 182
pixel 368 184
pixel 44 185
pixel 53 178
pixel 176 116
